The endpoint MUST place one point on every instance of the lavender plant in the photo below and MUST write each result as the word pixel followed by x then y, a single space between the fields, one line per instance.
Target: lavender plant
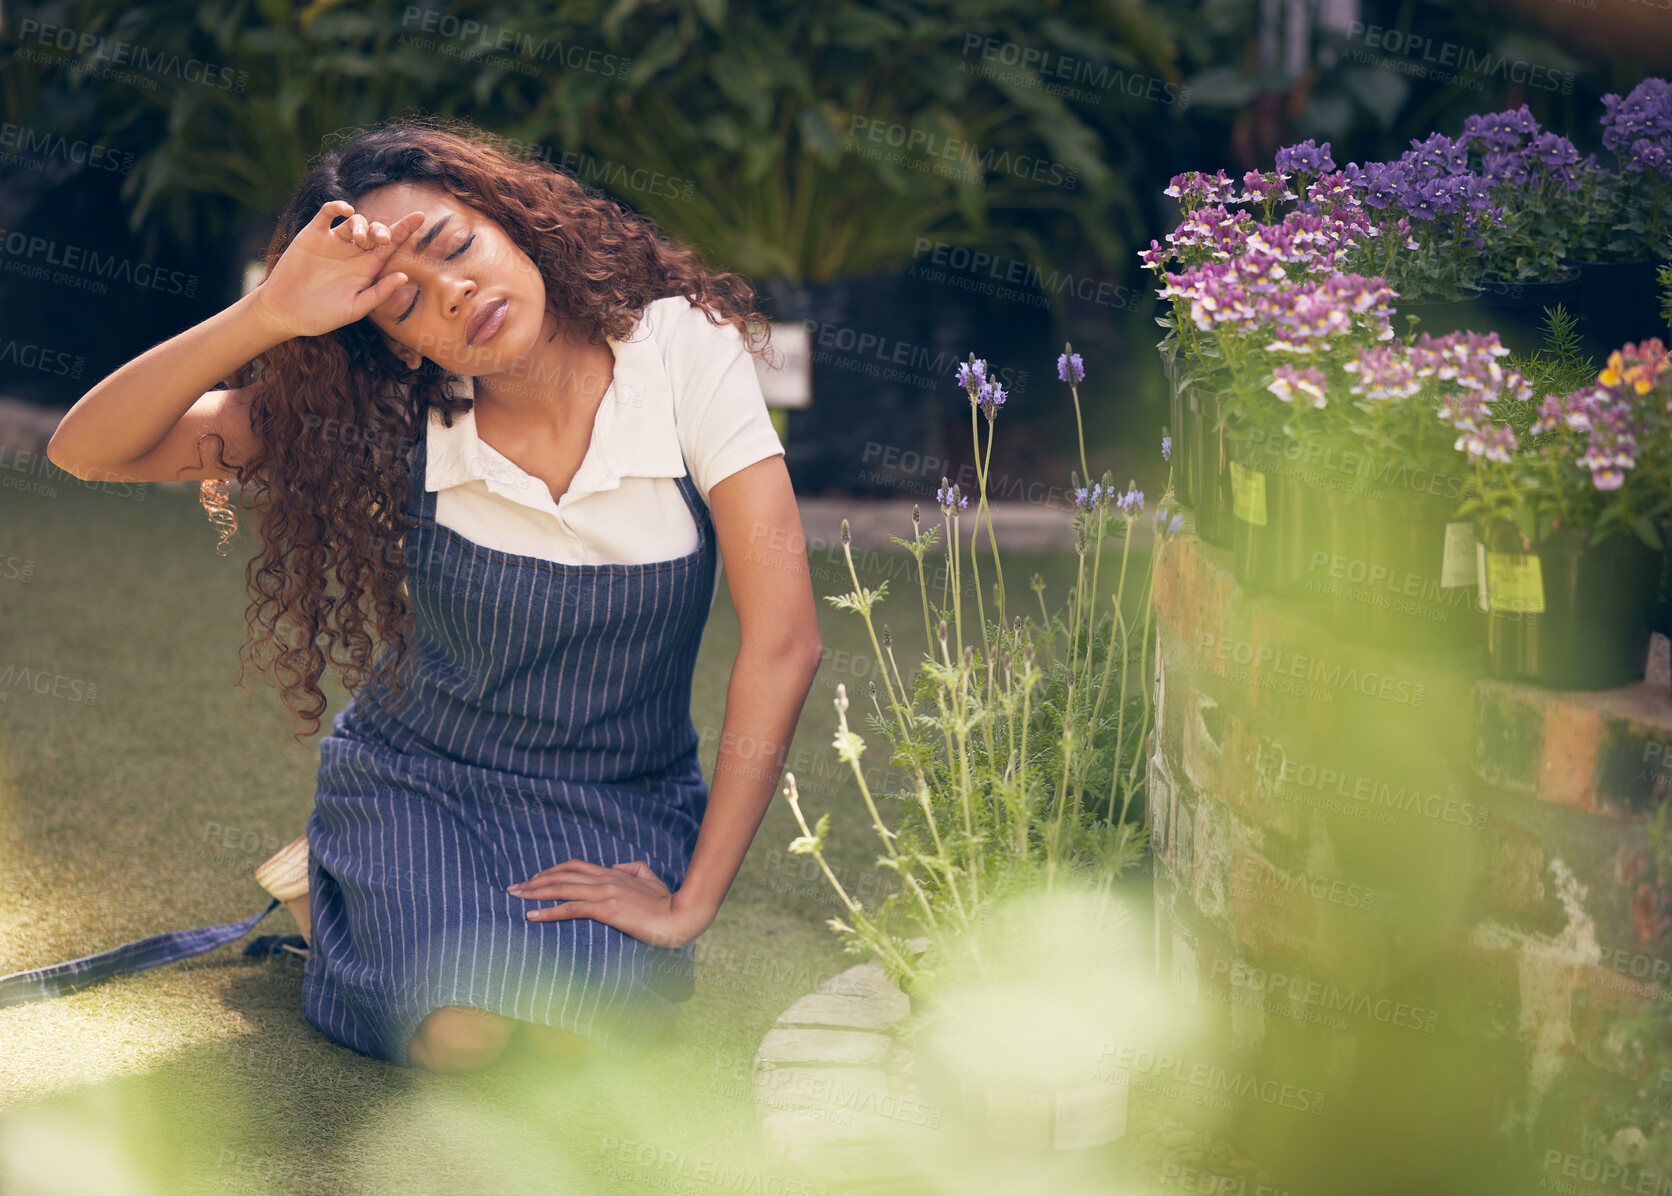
pixel 1025 746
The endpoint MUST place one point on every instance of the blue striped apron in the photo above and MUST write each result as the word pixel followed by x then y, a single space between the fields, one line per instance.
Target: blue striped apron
pixel 544 715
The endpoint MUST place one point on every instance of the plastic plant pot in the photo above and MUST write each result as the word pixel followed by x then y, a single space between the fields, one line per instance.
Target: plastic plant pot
pixel 1566 613
pixel 1400 572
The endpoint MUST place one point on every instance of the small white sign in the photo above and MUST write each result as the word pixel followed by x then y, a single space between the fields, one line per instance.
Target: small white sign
pixel 1482 593
pixel 786 369
pixel 1089 1116
pixel 1459 567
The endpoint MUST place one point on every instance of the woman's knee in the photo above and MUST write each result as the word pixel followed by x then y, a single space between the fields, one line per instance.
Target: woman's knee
pixel 455 1038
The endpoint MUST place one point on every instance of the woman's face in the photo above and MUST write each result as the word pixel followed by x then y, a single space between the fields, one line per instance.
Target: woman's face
pixel 473 303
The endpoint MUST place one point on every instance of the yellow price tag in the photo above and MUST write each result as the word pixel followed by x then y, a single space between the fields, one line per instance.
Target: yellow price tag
pixel 1248 490
pixel 1514 583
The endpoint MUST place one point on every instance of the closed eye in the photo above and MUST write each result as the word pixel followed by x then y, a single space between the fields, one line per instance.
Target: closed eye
pixel 467 243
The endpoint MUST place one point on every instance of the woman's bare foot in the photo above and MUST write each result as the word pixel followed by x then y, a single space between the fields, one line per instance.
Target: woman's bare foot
pixel 554 1045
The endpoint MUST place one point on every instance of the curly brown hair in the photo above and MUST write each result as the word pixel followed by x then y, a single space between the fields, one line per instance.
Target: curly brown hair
pixel 327 588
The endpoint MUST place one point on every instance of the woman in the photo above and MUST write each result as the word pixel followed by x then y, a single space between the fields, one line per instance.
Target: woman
pixel 501 428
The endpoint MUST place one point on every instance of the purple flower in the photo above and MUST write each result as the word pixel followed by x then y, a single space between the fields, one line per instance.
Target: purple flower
pixel 1646 113
pixel 947 496
pixel 1265 187
pixel 1384 183
pixel 1493 443
pixel 1507 166
pixel 1131 503
pixel 1166 448
pixel 1167 522
pixel 1287 381
pixel 1385 372
pixel 1501 130
pixel 1551 414
pixel 1553 151
pixel 1651 155
pixel 1306 158
pixel 1069 363
pixel 1440 154
pixel 971 376
pixel 1611 428
pixel 1193 189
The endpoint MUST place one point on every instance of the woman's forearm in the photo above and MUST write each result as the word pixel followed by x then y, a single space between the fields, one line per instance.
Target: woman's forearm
pixel 127 414
pixel 769 685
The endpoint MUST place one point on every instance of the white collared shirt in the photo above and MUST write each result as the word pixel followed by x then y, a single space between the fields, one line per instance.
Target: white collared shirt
pixel 685 394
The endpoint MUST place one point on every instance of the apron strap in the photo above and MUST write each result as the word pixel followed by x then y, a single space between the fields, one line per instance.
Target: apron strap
pixel 60 978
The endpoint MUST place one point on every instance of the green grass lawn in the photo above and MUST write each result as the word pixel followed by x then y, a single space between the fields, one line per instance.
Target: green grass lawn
pixel 149 807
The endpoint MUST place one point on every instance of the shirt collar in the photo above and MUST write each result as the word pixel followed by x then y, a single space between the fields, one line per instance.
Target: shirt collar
pixel 633 434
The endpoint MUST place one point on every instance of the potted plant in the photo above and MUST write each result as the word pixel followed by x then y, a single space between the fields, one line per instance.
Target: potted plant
pixel 1532 176
pixel 1208 232
pixel 1570 500
pixel 1280 343
pixel 1446 215
pixel 1025 749
pixel 1399 568
pixel 1244 279
pixel 1619 221
pixel 1488 251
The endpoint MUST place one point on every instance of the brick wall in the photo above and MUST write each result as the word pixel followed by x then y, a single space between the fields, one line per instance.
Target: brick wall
pixel 1404 886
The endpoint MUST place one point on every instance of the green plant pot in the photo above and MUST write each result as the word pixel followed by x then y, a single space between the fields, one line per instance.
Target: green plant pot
pixel 1184 478
pixel 1318 471
pixel 1567 614
pixel 1398 571
pixel 1440 317
pixel 1267 520
pixel 1210 466
pixel 1515 310
pixel 1616 303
